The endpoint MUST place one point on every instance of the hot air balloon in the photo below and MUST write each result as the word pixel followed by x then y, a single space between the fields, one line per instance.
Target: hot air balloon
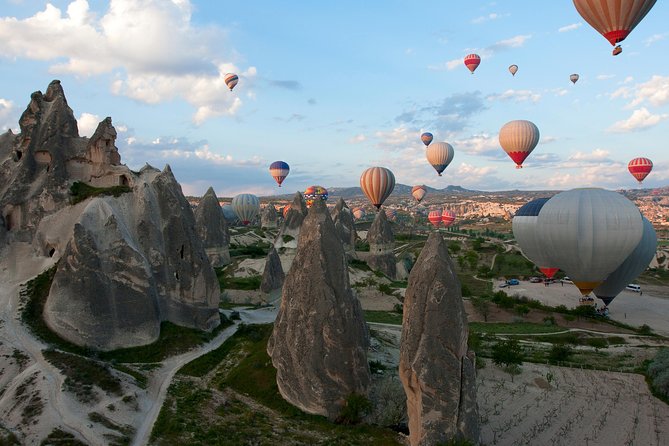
pixel 418 192
pixel 231 80
pixel 573 78
pixel 435 218
pixel 279 170
pixel 524 226
pixel 246 207
pixel 440 155
pixel 518 139
pixel 513 69
pixel 315 193
pixel 614 19
pixel 286 208
pixel 358 213
pixel 391 213
pixel 640 168
pixel 377 183
pixel 588 233
pixel 472 61
pixel 633 265
pixel 447 217
pixel 427 138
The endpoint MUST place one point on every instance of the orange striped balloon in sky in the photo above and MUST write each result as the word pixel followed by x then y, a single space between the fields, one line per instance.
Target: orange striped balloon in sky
pixel 614 19
pixel 640 168
pixel 472 61
pixel 518 139
pixel 377 183
pixel 231 79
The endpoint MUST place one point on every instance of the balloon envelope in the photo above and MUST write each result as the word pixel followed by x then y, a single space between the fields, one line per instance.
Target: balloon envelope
pixel 633 265
pixel 640 168
pixel 573 78
pixel 447 217
pixel 524 226
pixel 518 139
pixel 440 155
pixel 231 79
pixel 435 218
pixel 279 171
pixel 427 138
pixel 315 193
pixel 418 193
pixel 377 183
pixel 358 213
pixel 513 69
pixel 391 213
pixel 614 19
pixel 472 61
pixel 588 233
pixel 246 207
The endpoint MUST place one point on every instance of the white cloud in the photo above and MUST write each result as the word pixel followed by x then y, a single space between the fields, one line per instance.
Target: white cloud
pixel 87 123
pixel 571 27
pixel 655 91
pixel 447 66
pixel 513 42
pixel 655 38
pixel 547 139
pixel 6 108
pixel 603 77
pixel 516 95
pixel 481 144
pixel 357 139
pixel 487 18
pixel 473 173
pixel 151 47
pixel 596 155
pixel 640 119
pixel 399 137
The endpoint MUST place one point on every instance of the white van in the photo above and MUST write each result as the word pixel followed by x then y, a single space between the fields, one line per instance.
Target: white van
pixel 633 287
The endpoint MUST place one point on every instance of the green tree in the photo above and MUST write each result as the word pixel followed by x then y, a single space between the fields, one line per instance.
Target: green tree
pixel 508 354
pixel 482 306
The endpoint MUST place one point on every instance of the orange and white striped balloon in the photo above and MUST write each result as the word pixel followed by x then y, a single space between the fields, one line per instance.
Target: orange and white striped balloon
pixel 472 61
pixel 613 19
pixel 377 183
pixel 518 139
pixel 447 217
pixel 434 217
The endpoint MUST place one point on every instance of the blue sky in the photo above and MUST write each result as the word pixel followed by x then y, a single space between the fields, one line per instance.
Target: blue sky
pixel 335 87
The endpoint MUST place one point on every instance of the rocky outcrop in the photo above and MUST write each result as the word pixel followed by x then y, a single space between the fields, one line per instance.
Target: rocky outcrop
pixel 381 244
pixel 213 229
pixel 319 343
pixel 272 276
pixel 290 230
pixel 343 221
pixel 436 368
pixel 269 217
pixel 127 261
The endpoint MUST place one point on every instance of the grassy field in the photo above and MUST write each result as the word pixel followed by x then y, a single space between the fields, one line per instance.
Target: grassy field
pixel 383 317
pixel 512 328
pixel 513 265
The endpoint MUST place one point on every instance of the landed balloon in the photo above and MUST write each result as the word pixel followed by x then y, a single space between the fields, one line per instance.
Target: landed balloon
pixel 634 264
pixel 614 19
pixel 434 217
pixel 640 168
pixel 377 183
pixel 588 233
pixel 246 207
pixel 418 193
pixel 440 155
pixel 513 69
pixel 447 217
pixel 231 80
pixel 573 78
pixel 315 193
pixel 518 139
pixel 279 171
pixel 427 138
pixel 358 213
pixel 524 226
pixel 472 61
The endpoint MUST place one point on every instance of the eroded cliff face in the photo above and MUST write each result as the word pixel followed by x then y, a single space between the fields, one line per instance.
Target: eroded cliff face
pixel 381 244
pixel 127 262
pixel 213 229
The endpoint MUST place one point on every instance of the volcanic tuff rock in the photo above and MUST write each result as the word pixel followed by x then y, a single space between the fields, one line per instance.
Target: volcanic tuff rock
pixel 213 229
pixel 343 221
pixel 320 340
pixel 126 263
pixel 436 368
pixel 272 276
pixel 381 244
pixel 290 230
pixel 269 217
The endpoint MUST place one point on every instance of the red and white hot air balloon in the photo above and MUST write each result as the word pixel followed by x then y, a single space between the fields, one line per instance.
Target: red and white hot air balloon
pixel 418 192
pixel 613 19
pixel 472 61
pixel 435 218
pixel 640 168
pixel 447 217
pixel 518 139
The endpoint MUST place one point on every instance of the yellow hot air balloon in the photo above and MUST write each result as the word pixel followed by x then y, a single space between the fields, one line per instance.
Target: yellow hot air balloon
pixel 377 183
pixel 440 155
pixel 518 139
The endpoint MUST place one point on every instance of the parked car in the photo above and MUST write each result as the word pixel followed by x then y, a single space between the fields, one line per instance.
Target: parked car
pixel 567 279
pixel 535 280
pixel 513 282
pixel 633 287
pixel 503 285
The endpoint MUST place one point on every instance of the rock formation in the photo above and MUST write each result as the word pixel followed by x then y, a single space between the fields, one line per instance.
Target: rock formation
pixel 290 230
pixel 269 217
pixel 436 368
pixel 381 244
pixel 343 221
pixel 320 340
pixel 128 260
pixel 213 229
pixel 272 276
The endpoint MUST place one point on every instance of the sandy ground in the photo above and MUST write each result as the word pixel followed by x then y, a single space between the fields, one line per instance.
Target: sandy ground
pixel 629 307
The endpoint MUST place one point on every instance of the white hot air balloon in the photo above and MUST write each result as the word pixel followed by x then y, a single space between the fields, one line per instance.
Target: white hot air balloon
pixel 589 233
pixel 524 226
pixel 246 207
pixel 440 155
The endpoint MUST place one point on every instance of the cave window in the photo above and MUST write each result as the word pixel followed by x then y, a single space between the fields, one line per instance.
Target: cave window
pixel 19 155
pixel 8 222
pixel 176 275
pixel 182 252
pixel 123 180
pixel 52 251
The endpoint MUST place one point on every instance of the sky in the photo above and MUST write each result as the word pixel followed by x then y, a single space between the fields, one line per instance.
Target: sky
pixel 333 88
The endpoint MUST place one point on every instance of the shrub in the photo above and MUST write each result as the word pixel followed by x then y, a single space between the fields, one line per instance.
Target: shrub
pixel 549 320
pixel 355 409
pixel 598 343
pixel 288 238
pixel 466 292
pixel 645 330
pixel 522 309
pixel 658 372
pixel 560 353
pixel 80 191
